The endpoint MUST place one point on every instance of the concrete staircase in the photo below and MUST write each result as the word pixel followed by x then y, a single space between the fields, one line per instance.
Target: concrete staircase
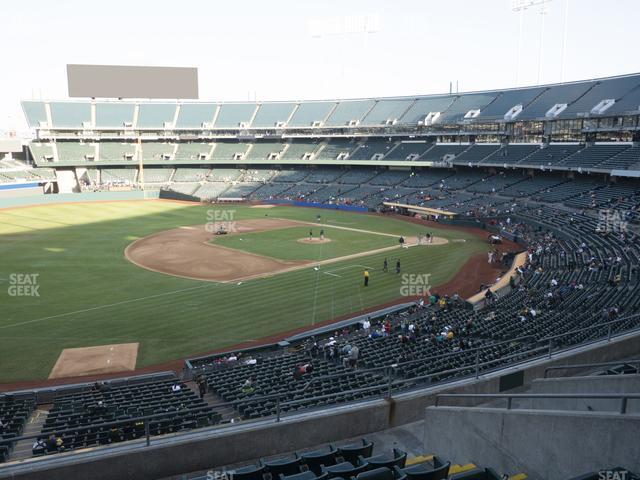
pixel 227 412
pixel 34 424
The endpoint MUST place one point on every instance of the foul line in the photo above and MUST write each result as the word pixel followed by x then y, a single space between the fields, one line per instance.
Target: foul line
pixel 106 306
pixel 346 228
pixel 330 272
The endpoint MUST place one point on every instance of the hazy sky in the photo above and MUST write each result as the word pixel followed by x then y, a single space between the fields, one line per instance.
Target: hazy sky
pixel 262 49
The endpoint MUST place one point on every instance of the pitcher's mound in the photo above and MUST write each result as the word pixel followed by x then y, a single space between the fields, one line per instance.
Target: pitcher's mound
pixel 314 240
pixel 77 362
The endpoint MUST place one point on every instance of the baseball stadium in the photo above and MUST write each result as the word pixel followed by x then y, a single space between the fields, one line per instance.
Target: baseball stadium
pixel 436 286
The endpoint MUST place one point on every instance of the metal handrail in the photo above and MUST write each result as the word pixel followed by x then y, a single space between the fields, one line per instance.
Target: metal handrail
pixel 512 340
pixel 623 397
pixel 148 419
pixel 476 349
pixel 277 396
pixel 397 365
pixel 593 365
pixel 590 327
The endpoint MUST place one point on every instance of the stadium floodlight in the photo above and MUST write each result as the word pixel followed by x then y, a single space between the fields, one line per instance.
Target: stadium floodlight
pixel 342 25
pixel 346 28
pixel 520 6
pixel 564 39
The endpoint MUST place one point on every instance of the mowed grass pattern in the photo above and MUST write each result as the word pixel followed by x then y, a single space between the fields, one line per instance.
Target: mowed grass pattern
pixel 283 243
pixel 89 294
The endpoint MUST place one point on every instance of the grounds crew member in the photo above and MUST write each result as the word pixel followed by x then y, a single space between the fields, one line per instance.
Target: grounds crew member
pixel 366 278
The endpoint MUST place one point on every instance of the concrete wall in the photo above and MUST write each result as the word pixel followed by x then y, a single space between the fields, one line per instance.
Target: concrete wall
pixel 546 445
pixel 246 442
pixel 77 197
pixel 28 190
pixel 409 406
pixel 592 384
pixel 204 451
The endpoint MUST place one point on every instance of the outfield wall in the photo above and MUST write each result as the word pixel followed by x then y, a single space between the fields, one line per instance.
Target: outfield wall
pixel 20 190
pixel 328 206
pixel 78 197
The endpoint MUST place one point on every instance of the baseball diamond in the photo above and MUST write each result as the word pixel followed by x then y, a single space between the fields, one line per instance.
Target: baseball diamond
pixel 341 241
pixel 156 262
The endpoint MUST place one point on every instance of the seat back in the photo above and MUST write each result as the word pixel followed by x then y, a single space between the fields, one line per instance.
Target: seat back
pixel 283 467
pixel 350 453
pixel 251 472
pixel 475 474
pixel 345 473
pixel 382 473
pixel 399 459
pixel 313 460
pixel 419 472
pixel 308 475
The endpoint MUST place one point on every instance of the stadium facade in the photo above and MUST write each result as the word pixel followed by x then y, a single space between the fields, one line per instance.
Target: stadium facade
pixel 560 153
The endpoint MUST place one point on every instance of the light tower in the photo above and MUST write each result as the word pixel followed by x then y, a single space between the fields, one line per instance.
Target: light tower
pixel 520 6
pixel 344 27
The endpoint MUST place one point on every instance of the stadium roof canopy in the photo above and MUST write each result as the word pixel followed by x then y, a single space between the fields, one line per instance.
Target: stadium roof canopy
pixel 590 98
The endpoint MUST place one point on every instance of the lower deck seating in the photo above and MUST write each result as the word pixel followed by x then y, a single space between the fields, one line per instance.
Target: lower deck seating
pixel 14 413
pixel 100 415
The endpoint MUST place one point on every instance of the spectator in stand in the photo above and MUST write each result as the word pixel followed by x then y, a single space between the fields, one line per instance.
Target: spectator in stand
pixel 387 327
pixel 432 299
pixel 366 325
pixel 353 356
pixel 51 444
pixel 442 303
pixel 247 387
pixel 202 385
pixel 300 370
pixel 39 446
pixel 376 334
pixel 115 435
pixel 55 444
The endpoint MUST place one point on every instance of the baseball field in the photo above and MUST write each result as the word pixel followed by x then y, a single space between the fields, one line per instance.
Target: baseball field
pixel 178 279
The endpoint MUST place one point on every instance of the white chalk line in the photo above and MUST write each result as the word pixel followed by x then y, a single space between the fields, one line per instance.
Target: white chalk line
pixel 100 307
pixel 331 272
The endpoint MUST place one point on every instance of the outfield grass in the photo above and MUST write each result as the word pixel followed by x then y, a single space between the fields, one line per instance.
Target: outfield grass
pixel 89 294
pixel 283 243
